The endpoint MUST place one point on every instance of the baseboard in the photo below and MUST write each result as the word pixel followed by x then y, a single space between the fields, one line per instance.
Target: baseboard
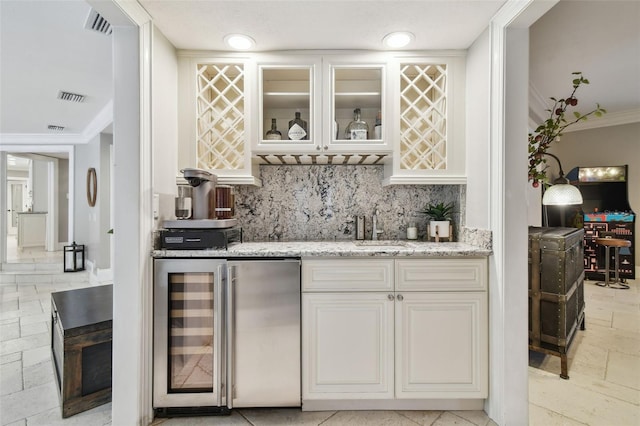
pixel 393 404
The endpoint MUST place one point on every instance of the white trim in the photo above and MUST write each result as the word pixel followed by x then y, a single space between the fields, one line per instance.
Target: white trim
pixel 100 122
pixel 608 119
pixel 40 139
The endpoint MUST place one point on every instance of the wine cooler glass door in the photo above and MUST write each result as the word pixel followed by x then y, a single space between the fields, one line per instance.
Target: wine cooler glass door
pixel 188 338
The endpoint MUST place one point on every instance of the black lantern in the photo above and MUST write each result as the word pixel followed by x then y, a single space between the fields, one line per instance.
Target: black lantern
pixel 74 257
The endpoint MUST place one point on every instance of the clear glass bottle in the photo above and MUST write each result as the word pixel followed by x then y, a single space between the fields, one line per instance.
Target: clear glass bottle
pixel 298 129
pixel 357 129
pixel 377 127
pixel 273 134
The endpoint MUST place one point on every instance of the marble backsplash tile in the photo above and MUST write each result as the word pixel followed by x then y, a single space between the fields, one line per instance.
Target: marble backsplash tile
pixel 320 203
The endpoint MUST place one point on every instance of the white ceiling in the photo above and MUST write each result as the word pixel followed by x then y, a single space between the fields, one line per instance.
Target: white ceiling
pixel 45 47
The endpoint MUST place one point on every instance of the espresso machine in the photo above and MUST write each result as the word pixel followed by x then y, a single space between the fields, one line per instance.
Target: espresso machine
pixel 204 215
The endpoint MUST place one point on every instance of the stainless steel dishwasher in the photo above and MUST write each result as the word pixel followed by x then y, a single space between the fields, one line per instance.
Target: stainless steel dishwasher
pixel 263 318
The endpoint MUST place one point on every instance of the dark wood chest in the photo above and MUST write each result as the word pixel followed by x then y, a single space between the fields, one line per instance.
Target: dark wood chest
pixel 556 289
pixel 81 332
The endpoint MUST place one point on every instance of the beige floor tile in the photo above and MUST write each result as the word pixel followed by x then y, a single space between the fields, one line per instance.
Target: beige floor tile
pixel 24 343
pixel 11 374
pixel 479 418
pixel 38 374
pixel 16 356
pixel 232 420
pixel 367 418
pixel 99 416
pixel 424 418
pixel 622 340
pixel 9 331
pixel 36 356
pixel 35 318
pixel 29 402
pixel 583 405
pixel 33 328
pixel 627 321
pixel 447 419
pixel 624 370
pixel 284 416
pixel 539 416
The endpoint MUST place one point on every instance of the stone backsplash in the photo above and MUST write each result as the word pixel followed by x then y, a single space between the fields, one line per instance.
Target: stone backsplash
pixel 320 203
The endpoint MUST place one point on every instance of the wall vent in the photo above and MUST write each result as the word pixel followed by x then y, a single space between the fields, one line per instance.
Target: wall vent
pixel 56 128
pixel 71 97
pixel 95 22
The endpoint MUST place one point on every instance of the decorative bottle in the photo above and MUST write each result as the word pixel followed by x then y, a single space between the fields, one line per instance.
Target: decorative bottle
pixel 274 134
pixel 357 129
pixel 377 128
pixel 297 128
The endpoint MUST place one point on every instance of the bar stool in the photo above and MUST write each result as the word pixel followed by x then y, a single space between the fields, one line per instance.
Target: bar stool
pixel 616 243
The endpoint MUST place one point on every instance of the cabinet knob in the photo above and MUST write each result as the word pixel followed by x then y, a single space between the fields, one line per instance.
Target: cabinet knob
pixel 390 297
pixel 326 147
pixel 318 148
pixel 400 297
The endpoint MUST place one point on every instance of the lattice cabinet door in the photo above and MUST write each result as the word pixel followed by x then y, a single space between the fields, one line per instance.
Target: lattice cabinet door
pixel 217 104
pixel 428 113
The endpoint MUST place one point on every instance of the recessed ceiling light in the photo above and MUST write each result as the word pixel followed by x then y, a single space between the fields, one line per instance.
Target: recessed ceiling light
pixel 398 39
pixel 239 41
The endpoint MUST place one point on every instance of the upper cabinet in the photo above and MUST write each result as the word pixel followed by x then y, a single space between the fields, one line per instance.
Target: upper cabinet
pixel 428 120
pixel 214 116
pixel 289 105
pixel 403 111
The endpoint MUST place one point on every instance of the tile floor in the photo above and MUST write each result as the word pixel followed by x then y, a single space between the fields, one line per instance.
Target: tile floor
pixel 604 365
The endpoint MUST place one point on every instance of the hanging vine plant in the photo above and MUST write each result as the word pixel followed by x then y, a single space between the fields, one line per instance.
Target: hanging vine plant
pixel 551 129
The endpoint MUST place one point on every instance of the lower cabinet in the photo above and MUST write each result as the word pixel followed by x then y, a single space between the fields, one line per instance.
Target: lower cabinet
pixel 399 344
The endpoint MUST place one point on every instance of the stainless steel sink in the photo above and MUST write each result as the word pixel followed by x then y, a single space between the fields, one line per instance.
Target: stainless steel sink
pixel 381 243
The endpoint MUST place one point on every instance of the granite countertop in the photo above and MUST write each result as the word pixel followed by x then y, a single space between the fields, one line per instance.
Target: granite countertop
pixel 335 249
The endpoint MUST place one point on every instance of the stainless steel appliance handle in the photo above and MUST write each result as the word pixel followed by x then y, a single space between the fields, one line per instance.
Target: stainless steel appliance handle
pixel 230 334
pixel 218 332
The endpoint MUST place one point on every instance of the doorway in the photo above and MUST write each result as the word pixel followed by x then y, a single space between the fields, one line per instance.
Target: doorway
pixel 37 204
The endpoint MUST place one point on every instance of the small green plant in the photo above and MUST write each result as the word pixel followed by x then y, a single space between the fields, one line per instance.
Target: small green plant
pixel 439 211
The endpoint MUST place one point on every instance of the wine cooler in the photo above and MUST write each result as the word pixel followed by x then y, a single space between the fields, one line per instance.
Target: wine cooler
pixel 189 351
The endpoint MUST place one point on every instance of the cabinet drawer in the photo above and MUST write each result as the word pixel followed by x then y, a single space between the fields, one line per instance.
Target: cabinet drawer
pixel 347 275
pixel 441 275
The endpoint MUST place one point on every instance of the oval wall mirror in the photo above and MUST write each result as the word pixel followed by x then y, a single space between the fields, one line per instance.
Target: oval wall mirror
pixel 92 186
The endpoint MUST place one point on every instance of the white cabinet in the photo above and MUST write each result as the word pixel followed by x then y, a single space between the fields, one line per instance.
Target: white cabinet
pixel 228 102
pixel 427 323
pixel 216 103
pixel 286 86
pixel 427 120
pixel 32 229
pixel 348 341
pixel 441 345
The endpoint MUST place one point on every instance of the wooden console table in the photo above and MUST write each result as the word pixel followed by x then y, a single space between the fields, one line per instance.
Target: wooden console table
pixel 81 330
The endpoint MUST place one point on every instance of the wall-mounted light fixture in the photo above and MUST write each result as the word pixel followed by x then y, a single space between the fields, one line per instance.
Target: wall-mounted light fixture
pixel 561 193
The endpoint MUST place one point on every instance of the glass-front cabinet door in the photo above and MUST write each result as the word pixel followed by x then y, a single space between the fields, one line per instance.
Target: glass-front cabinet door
pixel 355 110
pixel 188 333
pixel 288 106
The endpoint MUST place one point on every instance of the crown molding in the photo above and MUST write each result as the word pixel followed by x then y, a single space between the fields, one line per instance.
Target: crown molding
pixel 538 113
pixel 100 122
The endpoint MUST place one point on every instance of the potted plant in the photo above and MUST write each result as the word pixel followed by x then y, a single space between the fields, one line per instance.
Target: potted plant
pixel 441 215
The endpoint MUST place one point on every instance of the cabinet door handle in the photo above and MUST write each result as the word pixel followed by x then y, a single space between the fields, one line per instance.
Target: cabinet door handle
pixel 390 296
pixel 400 297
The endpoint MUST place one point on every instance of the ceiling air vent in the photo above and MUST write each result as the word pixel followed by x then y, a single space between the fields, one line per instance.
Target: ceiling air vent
pixel 95 22
pixel 71 97
pixel 56 128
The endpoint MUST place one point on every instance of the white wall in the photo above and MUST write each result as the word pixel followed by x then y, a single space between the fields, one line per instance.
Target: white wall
pixel 164 122
pixel 63 201
pixel 39 185
pixel 605 146
pixel 477 122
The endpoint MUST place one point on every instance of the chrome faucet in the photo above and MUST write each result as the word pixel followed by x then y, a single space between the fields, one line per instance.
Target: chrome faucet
pixel 374 226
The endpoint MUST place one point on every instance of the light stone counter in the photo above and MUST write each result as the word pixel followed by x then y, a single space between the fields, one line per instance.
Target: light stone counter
pixel 335 249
